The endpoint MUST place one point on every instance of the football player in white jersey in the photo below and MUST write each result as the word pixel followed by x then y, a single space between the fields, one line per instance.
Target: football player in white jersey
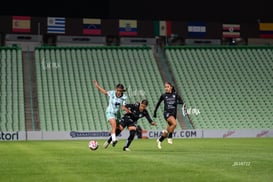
pixel 117 101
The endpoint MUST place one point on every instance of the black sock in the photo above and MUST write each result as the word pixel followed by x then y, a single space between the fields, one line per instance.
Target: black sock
pixel 130 138
pixel 170 135
pixel 161 138
pixel 109 139
pixel 118 131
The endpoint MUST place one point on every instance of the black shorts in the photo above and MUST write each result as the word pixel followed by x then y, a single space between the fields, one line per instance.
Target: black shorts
pixel 127 122
pixel 167 115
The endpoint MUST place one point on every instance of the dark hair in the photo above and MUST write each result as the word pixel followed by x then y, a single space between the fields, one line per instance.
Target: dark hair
pixel 120 86
pixel 173 89
pixel 144 101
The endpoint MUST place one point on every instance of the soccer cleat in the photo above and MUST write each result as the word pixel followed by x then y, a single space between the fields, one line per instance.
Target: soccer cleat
pixel 158 144
pixel 126 149
pixel 106 144
pixel 114 143
pixel 170 141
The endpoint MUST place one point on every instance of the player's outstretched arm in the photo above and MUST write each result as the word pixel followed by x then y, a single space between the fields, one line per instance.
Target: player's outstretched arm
pixel 102 90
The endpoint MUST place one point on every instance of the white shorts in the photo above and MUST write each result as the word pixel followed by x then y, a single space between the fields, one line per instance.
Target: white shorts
pixel 110 115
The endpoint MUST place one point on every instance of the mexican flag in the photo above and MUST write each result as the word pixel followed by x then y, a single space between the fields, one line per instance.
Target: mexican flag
pixel 162 28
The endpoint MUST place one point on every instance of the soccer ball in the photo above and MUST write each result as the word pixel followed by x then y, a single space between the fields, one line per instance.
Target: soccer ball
pixel 93 145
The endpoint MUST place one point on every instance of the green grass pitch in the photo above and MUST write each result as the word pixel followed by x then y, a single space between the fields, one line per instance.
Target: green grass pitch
pixel 229 159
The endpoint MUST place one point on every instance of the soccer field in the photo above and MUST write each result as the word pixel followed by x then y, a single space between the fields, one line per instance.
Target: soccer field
pixel 229 159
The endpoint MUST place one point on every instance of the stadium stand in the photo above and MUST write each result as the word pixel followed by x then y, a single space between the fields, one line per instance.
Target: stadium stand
pixel 231 86
pixel 67 98
pixel 224 87
pixel 11 93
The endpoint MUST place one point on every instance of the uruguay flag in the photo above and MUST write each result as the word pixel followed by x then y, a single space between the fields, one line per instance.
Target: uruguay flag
pixel 56 25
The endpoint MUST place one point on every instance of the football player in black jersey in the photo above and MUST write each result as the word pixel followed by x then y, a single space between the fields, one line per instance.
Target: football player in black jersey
pixel 129 120
pixel 171 100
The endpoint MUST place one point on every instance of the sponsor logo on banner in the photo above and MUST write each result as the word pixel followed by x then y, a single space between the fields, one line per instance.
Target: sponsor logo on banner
pixel 76 134
pixel 176 134
pixel 228 133
pixel 8 136
pixel 262 133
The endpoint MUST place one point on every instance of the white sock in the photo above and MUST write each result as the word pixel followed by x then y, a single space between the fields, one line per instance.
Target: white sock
pixel 165 131
pixel 113 137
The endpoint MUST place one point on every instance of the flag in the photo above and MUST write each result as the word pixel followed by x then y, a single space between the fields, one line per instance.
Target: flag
pixel 197 29
pixel 56 25
pixel 266 30
pixel 91 26
pixel 127 27
pixel 21 23
pixel 163 28
pixel 231 30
